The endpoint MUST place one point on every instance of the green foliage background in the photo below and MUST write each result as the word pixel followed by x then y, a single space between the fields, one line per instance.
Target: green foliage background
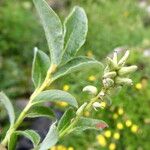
pixel 111 24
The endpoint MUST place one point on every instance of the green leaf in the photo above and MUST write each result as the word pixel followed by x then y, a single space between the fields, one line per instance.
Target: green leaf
pixel 66 119
pixel 55 96
pixel 53 30
pixel 40 111
pixel 51 138
pixel 75 30
pixel 76 64
pixel 41 64
pixel 30 134
pixel 89 124
pixel 10 110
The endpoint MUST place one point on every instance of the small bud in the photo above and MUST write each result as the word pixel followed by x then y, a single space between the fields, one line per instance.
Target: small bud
pixel 110 74
pixel 80 109
pixel 111 64
pixel 101 94
pixel 101 105
pixel 127 70
pixel 90 89
pixel 115 57
pixel 123 81
pixel 123 59
pixel 108 82
pixel 107 69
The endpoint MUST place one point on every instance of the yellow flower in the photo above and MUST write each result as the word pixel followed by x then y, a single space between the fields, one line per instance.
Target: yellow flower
pixel 66 87
pixel 126 14
pixel 101 140
pixel 120 126
pixel 120 111
pixel 116 136
pixel 112 146
pixel 86 113
pixel 92 78
pixel 70 148
pixel 138 86
pixel 107 133
pixel 54 148
pixel 89 54
pixel 134 128
pixel 115 116
pixel 61 147
pixel 128 123
pixel 62 104
pixel 103 104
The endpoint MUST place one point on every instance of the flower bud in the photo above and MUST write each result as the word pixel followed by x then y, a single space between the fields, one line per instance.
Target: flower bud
pixel 101 105
pixel 123 59
pixel 110 74
pixel 80 109
pixel 123 81
pixel 115 57
pixel 107 69
pixel 101 94
pixel 127 70
pixel 108 82
pixel 90 89
pixel 111 64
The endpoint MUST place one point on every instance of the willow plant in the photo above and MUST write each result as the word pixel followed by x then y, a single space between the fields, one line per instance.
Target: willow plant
pixel 64 41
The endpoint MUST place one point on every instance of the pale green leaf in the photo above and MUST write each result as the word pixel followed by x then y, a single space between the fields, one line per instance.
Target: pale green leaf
pixel 89 124
pixel 53 30
pixel 76 64
pixel 30 134
pixel 41 64
pixel 10 110
pixel 66 119
pixel 40 111
pixel 55 96
pixel 75 31
pixel 51 138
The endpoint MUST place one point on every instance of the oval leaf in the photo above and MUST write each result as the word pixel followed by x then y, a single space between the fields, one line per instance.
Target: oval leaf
pixel 66 119
pixel 53 30
pixel 41 64
pixel 40 111
pixel 10 110
pixel 75 64
pixel 55 96
pixel 51 138
pixel 30 134
pixel 89 124
pixel 75 30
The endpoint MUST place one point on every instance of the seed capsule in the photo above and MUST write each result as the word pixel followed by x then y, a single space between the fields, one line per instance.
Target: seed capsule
pixel 127 70
pixel 123 81
pixel 123 59
pixel 90 89
pixel 110 74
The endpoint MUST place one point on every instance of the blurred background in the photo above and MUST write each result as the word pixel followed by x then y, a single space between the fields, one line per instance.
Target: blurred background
pixel 113 24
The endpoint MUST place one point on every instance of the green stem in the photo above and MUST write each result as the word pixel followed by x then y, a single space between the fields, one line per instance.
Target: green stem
pixel 75 120
pixel 21 117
